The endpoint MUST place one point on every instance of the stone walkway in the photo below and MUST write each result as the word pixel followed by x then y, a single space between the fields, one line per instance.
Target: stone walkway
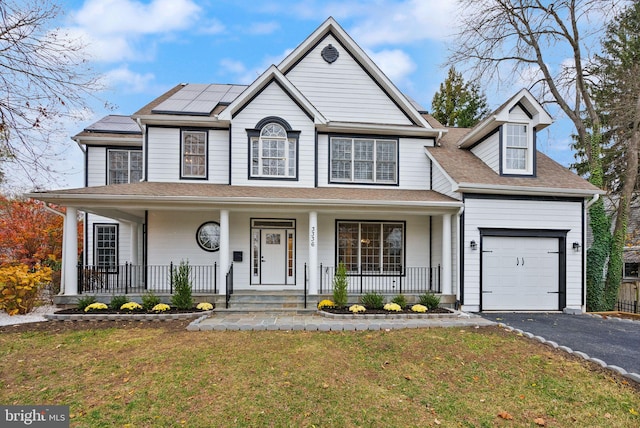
pixel 316 322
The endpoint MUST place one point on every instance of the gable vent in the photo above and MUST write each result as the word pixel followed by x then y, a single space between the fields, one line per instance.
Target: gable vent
pixel 330 53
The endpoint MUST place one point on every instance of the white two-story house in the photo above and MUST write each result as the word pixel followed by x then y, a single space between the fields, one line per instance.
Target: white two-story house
pixel 320 161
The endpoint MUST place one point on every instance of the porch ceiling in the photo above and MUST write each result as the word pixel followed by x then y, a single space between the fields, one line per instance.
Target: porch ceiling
pixel 126 200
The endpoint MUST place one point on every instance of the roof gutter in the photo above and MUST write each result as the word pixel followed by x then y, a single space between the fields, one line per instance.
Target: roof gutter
pixel 593 200
pixel 522 190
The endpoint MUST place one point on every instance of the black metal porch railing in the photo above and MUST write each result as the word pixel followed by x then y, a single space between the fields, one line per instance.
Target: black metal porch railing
pixel 408 280
pixel 229 286
pixel 130 278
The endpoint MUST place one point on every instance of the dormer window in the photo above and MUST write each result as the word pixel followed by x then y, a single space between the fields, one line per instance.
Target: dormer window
pixel 517 149
pixel 274 152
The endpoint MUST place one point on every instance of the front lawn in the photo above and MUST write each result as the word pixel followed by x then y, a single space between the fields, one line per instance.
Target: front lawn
pixel 158 375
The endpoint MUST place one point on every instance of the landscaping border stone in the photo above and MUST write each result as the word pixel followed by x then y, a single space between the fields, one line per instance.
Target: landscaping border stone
pixel 127 317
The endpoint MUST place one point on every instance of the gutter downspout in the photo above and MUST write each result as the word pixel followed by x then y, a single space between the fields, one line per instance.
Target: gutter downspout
pixel 62 269
pixel 459 257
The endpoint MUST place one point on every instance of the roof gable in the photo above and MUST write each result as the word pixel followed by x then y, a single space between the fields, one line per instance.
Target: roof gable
pixel 271 75
pixel 330 32
pixel 511 111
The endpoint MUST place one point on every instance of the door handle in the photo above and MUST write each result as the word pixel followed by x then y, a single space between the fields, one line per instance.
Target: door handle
pixel 517 261
pixel 523 261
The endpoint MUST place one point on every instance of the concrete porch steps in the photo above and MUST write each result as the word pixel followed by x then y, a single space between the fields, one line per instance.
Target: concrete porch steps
pixel 267 301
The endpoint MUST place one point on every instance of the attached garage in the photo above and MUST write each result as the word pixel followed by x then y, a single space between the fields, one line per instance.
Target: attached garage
pixel 523 270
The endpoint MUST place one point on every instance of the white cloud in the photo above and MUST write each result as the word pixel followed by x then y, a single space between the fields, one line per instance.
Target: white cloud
pixel 114 29
pixel 242 74
pixel 127 80
pixel 396 64
pixel 263 28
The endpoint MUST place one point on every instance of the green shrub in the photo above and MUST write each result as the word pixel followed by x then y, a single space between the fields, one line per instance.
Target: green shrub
pixel 400 300
pixel 340 284
pixel 85 301
pixel 149 300
pixel 372 301
pixel 117 302
pixel 182 298
pixel 430 300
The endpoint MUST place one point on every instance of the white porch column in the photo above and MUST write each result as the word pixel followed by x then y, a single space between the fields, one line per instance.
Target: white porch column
pixel 134 243
pixel 224 251
pixel 313 253
pixel 446 254
pixel 70 248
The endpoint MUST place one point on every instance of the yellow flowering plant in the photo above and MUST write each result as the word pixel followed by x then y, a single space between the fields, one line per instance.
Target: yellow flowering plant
pixel 326 304
pixel 419 308
pixel 161 307
pixel 130 306
pixel 204 306
pixel 357 308
pixel 393 307
pixel 97 306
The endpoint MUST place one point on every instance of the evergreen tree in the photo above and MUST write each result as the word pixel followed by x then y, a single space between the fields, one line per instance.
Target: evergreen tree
pixel 458 103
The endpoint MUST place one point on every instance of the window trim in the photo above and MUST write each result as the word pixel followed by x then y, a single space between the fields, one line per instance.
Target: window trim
pixel 382 223
pixel 255 133
pixel 129 151
pixel 183 132
pixel 375 138
pixel 530 148
pixel 111 268
pixel 624 270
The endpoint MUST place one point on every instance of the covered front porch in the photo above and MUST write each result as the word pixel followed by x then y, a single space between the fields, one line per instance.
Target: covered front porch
pixel 275 240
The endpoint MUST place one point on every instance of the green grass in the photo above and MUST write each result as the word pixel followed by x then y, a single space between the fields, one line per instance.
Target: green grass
pixel 155 376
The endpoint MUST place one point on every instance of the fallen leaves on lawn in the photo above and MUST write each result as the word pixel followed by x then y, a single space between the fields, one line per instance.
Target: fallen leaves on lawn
pixel 539 421
pixel 505 415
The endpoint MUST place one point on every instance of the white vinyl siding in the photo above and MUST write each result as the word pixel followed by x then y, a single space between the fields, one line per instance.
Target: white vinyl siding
pixel 489 152
pixel 442 184
pixel 525 215
pixel 272 101
pixel 343 91
pixel 164 155
pixel 96 166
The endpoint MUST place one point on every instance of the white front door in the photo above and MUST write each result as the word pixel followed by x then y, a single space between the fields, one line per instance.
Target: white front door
pixel 273 256
pixel 273 251
pixel 520 273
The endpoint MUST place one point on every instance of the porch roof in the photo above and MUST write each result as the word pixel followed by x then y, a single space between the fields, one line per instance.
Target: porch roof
pixel 145 195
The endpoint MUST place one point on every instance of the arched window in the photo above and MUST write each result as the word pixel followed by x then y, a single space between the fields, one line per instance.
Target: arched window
pixel 273 152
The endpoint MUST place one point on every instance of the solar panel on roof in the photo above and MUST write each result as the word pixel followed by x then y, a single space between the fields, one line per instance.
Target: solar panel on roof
pixel 115 124
pixel 198 99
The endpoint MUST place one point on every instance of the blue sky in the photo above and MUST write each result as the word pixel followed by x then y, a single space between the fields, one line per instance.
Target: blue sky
pixel 145 47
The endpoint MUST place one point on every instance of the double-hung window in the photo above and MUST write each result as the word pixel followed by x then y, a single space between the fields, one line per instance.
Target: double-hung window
pixel 105 246
pixel 371 247
pixel 273 153
pixel 518 150
pixel 194 154
pixel 364 160
pixel 124 166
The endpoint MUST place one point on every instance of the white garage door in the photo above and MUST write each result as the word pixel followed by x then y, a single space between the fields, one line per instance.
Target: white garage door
pixel 520 274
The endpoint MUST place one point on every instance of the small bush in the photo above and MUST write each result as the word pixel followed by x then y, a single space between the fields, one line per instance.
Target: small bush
pixel 182 298
pixel 149 300
pixel 117 302
pixel 400 300
pixel 326 304
pixel 340 284
pixel 372 300
pixel 131 306
pixel 20 287
pixel 94 307
pixel 430 300
pixel 392 307
pixel 85 301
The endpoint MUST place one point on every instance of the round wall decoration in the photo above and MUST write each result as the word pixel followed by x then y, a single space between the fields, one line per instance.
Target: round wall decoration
pixel 208 236
pixel 330 54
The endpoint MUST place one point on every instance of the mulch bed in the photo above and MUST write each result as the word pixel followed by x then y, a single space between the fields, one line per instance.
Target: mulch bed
pixel 345 311
pixel 76 311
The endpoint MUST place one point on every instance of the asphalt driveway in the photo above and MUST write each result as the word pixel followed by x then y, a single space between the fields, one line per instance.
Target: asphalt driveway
pixel 614 342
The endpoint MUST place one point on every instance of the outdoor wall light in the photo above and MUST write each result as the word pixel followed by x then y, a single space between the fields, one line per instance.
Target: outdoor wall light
pixel 474 245
pixel 576 246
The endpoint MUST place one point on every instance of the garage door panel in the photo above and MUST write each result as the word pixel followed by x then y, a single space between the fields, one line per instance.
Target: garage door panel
pixel 520 273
